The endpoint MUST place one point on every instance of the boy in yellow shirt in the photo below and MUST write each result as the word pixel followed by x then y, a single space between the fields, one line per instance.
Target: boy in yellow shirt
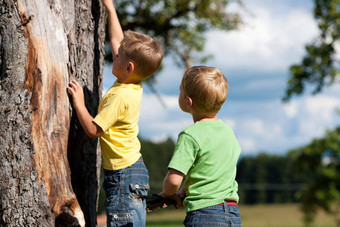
pixel 135 58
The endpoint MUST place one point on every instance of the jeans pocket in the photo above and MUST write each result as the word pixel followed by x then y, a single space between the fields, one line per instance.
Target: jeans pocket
pixel 189 218
pixel 120 218
pixel 233 216
pixel 135 200
pixel 139 190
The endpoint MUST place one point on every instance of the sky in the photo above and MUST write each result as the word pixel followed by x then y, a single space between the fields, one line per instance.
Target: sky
pixel 256 60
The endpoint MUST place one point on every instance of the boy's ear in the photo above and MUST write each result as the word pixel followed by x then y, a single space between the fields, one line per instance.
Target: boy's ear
pixel 130 67
pixel 189 102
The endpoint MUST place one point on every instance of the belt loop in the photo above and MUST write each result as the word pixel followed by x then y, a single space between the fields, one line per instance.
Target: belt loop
pixel 225 206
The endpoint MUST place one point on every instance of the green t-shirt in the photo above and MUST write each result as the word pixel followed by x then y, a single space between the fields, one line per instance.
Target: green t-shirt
pixel 207 153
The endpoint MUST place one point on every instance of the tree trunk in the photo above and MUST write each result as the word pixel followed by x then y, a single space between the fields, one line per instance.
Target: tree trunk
pixel 44 45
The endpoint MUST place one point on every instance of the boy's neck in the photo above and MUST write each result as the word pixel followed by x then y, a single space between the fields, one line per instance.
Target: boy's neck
pixel 130 80
pixel 126 82
pixel 198 117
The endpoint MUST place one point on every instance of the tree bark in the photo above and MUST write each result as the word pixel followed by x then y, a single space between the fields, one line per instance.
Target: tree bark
pixel 49 168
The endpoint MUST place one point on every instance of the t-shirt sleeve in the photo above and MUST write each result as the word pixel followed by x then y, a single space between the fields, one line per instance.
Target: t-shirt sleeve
pixel 185 153
pixel 112 107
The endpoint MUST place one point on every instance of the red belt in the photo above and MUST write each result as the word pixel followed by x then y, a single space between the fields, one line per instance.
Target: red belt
pixel 230 203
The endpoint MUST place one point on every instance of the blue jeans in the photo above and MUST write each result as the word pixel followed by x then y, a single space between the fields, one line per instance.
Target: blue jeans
pixel 218 215
pixel 124 188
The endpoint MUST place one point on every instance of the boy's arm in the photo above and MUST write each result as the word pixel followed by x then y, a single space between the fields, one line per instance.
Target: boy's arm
pixel 85 119
pixel 115 30
pixel 171 184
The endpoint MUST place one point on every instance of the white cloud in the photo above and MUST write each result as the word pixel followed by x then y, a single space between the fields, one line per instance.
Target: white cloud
pixel 158 122
pixel 259 134
pixel 316 114
pixel 269 126
pixel 152 108
pixel 247 144
pixel 267 42
pixel 229 121
pixel 321 109
pixel 291 109
pixel 322 104
pixel 276 127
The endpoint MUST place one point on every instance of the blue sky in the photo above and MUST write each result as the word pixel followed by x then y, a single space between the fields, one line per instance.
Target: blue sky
pixel 255 60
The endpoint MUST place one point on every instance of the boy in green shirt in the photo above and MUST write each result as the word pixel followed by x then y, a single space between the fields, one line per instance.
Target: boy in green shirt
pixel 206 154
pixel 135 58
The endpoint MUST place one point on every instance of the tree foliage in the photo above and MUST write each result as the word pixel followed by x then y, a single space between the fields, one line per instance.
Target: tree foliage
pixel 320 160
pixel 179 24
pixel 266 178
pixel 320 66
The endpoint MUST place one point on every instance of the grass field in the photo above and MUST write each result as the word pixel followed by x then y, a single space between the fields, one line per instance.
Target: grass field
pixel 277 215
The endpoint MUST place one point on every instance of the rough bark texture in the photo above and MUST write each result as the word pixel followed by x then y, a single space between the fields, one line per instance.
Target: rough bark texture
pixel 44 45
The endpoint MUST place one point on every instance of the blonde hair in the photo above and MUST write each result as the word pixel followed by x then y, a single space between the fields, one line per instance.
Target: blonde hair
pixel 207 87
pixel 144 51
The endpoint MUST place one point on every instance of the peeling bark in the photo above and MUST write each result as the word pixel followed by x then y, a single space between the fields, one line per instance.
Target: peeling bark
pixel 44 45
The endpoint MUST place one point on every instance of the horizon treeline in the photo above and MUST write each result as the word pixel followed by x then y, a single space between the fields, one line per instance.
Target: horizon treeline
pixel 262 178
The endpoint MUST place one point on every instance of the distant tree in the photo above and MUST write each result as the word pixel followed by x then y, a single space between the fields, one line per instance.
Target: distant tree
pixel 320 160
pixel 179 24
pixel 320 66
pixel 266 178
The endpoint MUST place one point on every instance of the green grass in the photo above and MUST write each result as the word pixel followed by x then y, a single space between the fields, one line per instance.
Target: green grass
pixel 168 217
pixel 276 215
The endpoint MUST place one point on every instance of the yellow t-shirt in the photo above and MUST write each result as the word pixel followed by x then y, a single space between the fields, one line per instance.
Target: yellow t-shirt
pixel 118 116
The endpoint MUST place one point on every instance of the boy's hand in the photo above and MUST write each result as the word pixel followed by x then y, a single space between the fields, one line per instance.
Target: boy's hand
pixel 156 201
pixel 77 94
pixel 181 194
pixel 176 198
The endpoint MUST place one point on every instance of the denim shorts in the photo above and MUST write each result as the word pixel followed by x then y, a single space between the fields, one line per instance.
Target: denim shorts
pixel 218 215
pixel 124 188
